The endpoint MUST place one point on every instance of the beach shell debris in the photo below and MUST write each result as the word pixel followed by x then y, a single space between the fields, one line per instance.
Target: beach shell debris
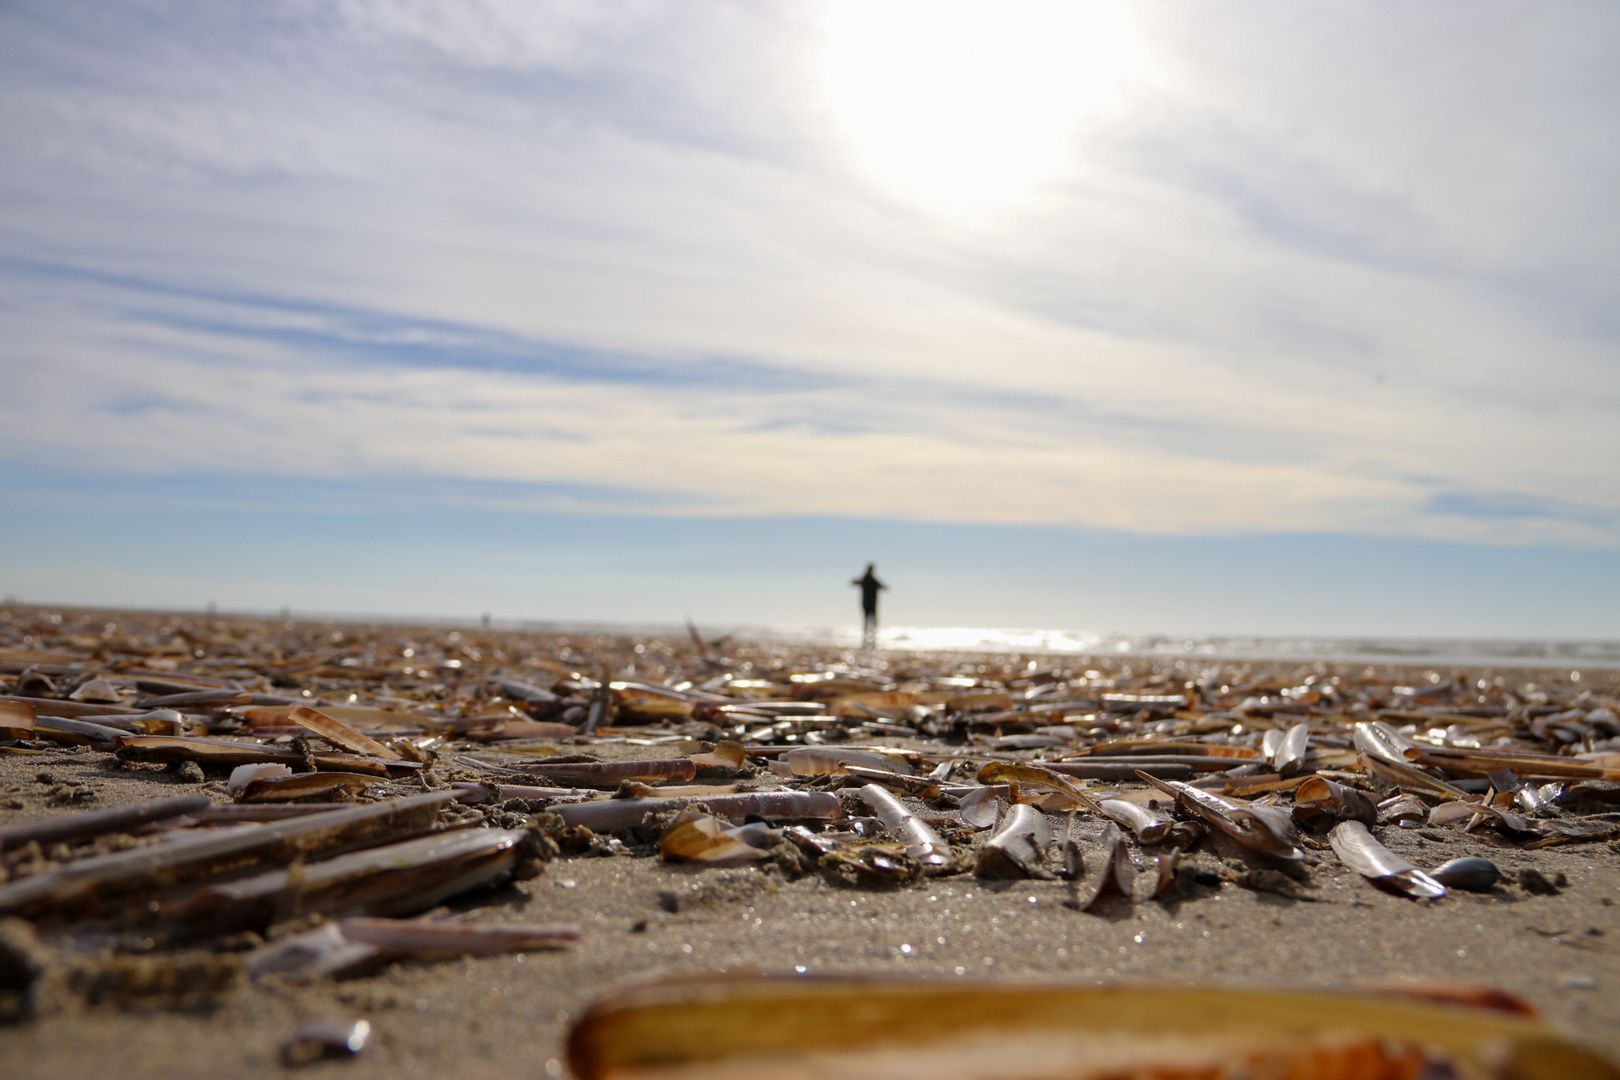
pixel 357 774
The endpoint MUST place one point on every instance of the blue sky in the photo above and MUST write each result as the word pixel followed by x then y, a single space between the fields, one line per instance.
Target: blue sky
pixel 1237 318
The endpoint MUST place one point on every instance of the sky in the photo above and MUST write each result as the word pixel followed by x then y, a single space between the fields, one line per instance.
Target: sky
pixel 1186 318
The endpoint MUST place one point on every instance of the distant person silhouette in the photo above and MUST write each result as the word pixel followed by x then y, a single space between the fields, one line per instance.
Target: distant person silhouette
pixel 869 585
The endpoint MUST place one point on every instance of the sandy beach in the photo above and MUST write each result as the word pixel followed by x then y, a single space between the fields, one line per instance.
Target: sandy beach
pixel 505 1016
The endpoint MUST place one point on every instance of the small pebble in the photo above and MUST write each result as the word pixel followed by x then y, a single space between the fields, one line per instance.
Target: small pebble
pixel 1475 875
pixel 191 773
pixel 1578 982
pixel 320 1039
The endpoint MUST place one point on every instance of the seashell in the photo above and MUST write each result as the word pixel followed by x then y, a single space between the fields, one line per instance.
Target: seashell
pixel 92 823
pixel 132 875
pixel 1027 774
pixel 1149 826
pixel 1358 850
pixel 1265 829
pixel 1016 848
pixel 745 1025
pixel 97 692
pixel 978 807
pixel 922 843
pixel 701 838
pixel 243 775
pixel 1319 803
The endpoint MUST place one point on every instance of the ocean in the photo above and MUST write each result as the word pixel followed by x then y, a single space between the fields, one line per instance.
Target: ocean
pixel 1494 652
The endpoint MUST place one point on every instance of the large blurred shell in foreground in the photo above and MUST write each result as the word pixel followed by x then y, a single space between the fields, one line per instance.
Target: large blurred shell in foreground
pixel 731 1027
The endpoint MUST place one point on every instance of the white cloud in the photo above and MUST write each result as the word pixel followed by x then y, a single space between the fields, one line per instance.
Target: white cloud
pixel 568 35
pixel 1313 269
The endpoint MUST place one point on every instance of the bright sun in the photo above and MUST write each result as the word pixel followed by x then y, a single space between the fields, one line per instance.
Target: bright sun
pixel 963 106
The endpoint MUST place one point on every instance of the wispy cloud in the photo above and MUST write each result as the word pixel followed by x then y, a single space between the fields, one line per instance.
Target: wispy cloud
pixel 1313 270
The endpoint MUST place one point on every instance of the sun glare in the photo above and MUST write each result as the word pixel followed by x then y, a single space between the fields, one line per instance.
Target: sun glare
pixel 963 106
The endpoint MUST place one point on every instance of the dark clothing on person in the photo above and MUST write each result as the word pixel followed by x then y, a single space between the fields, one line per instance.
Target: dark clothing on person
pixel 869 586
pixel 869 590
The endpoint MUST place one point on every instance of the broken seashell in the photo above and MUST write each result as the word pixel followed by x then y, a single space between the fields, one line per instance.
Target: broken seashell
pixel 1358 850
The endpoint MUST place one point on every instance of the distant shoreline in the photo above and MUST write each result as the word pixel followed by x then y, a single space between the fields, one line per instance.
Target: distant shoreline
pixel 1518 655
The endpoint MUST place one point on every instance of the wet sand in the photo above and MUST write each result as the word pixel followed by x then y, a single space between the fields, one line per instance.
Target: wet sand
pixel 505 1016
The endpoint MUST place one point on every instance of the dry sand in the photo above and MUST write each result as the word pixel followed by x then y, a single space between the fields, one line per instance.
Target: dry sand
pixel 506 1016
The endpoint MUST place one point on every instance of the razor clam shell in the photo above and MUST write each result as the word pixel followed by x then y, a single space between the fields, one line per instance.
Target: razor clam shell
pixel 1168 762
pixel 1450 812
pixel 813 844
pixel 159 722
pixel 1116 875
pixel 738 1025
pixel 1506 818
pixel 1319 801
pixel 320 786
pixel 536 701
pixel 1403 808
pixel 1408 778
pixel 1125 768
pixel 93 823
pixel 920 786
pixel 727 754
pixel 1015 849
pixel 1529 799
pixel 1074 861
pixel 16 720
pixel 61 729
pixel 170 748
pixel 1271 819
pixel 469 791
pixel 1118 872
pixel 396 879
pixel 607 815
pixel 1378 738
pixel 1236 755
pixel 706 839
pixel 339 733
pixel 922 843
pixel 1524 765
pixel 979 807
pixel 819 761
pixel 1265 829
pixel 1291 751
pixel 209 698
pixel 515 730
pixel 650 701
pixel 441 938
pixel 323 951
pixel 1165 865
pixel 72 709
pixel 234 812
pixel 666 769
pixel 243 775
pixel 1384 751
pixel 1185 834
pixel 1027 774
pixel 1149 826
pixel 1358 850
pixel 87 883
